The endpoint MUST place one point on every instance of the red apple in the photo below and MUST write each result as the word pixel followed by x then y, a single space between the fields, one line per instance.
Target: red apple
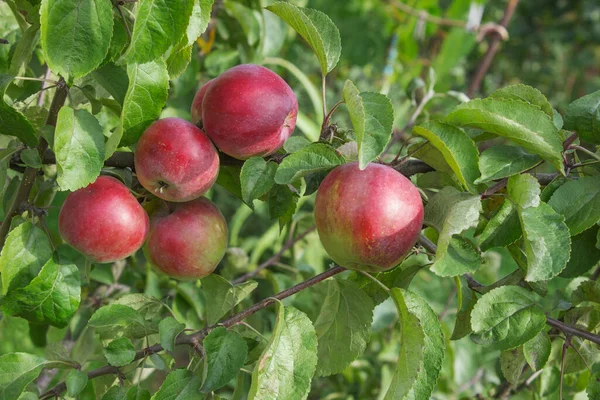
pixel 196 109
pixel 103 221
pixel 368 220
pixel 249 111
pixel 175 160
pixel 188 242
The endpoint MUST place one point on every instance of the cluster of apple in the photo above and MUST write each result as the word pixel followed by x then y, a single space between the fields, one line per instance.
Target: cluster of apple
pixel 246 111
pixel 366 219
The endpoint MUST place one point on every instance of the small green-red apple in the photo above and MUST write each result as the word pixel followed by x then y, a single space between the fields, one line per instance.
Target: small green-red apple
pixel 103 221
pixel 368 220
pixel 188 241
pixel 175 160
pixel 249 111
pixel 196 109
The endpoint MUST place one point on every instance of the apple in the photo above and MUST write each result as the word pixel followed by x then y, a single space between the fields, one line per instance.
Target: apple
pixel 103 221
pixel 249 111
pixel 189 241
pixel 196 109
pixel 368 220
pixel 175 160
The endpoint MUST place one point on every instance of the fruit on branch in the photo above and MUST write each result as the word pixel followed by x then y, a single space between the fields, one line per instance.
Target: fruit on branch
pixel 249 111
pixel 196 109
pixel 103 221
pixel 189 241
pixel 175 160
pixel 368 220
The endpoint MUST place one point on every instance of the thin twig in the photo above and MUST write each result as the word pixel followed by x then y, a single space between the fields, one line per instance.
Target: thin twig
pixel 424 15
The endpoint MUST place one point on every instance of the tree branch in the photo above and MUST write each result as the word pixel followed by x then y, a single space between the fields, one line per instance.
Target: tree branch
pixel 195 337
pixel 22 196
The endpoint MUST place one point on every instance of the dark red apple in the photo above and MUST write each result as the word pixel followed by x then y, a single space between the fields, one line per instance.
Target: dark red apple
pixel 368 220
pixel 189 241
pixel 196 109
pixel 103 221
pixel 175 160
pixel 249 111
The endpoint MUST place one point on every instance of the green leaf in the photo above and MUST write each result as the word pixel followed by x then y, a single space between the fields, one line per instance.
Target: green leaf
pixel 282 203
pixel 119 352
pixel 17 370
pixel 462 327
pixel 113 79
pixel 222 296
pixel 256 178
pixel 315 157
pixel 247 18
pixel 500 161
pixel 537 351
pixel 31 158
pixel 145 98
pixel 523 190
pixel 372 117
pixel 116 393
pixel 343 326
pixel 461 256
pixel 149 307
pixel 75 35
pixel 198 20
pixel 579 201
pixel 521 122
pixel 24 50
pixel 159 24
pixel 593 386
pixel 138 393
pixel 434 346
pixel 506 317
pixel 512 363
pixel 452 212
pixel 12 122
pixel 527 94
pixel 178 60
pixel 502 229
pixel 410 358
pixel 79 148
pixel 25 252
pixel 583 117
pixel 180 384
pixel 286 367
pixel 457 148
pixel 52 297
pixel 168 329
pixel 226 353
pixel 316 28
pixel 116 320
pixel 76 381
pixel 547 242
pixel 587 291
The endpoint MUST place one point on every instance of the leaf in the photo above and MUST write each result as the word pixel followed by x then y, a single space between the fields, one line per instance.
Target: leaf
pixel 138 393
pixel 500 161
pixel 180 384
pixel 457 148
pixel 222 296
pixel 412 342
pixel 527 94
pixel 159 24
pixel 12 122
pixel 506 317
pixel 316 28
pixel 462 326
pixel 512 363
pixel 583 117
pixel 117 320
pixel 537 351
pixel 282 203
pixel 256 178
pixel 17 370
pixel 119 352
pixel 31 158
pixel 372 117
pixel 178 60
pixel 226 353
pixel 521 122
pixel 502 229
pixel 315 157
pixel 199 19
pixel 113 79
pixel 76 381
pixel 524 190
pixel 145 98
pixel 547 242
pixel 587 291
pixel 52 297
pixel 168 329
pixel 25 252
pixel 343 326
pixel 593 386
pixel 79 148
pixel 116 393
pixel 149 307
pixel 24 50
pixel 247 18
pixel 75 35
pixel 461 256
pixel 579 201
pixel 286 367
